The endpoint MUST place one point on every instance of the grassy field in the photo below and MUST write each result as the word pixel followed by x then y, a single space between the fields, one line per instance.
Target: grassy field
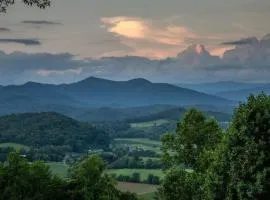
pixel 14 145
pixel 143 172
pixel 58 168
pixel 147 196
pixel 149 124
pixel 142 141
pixel 138 188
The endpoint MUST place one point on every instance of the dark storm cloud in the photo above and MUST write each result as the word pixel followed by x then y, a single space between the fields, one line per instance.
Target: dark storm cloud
pixel 27 42
pixel 41 22
pixel 23 61
pixel 242 41
pixel 3 29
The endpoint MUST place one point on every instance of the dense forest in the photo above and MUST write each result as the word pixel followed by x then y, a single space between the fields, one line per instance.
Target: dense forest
pixel 34 181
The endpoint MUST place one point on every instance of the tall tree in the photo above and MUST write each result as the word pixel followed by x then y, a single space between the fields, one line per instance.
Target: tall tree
pixel 196 136
pixel 241 169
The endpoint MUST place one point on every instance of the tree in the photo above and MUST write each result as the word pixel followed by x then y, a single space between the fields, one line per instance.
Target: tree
pixel 194 135
pixel 195 138
pixel 181 185
pixel 4 4
pixel 241 169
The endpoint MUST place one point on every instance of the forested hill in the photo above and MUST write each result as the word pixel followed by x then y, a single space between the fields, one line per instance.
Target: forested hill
pixel 43 129
pixel 177 113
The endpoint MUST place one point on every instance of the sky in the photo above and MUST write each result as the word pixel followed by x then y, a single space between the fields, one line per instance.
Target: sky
pixel 72 32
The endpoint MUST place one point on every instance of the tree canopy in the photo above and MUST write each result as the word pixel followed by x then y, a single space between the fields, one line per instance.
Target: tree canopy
pixel 234 165
pixel 4 4
pixel 20 179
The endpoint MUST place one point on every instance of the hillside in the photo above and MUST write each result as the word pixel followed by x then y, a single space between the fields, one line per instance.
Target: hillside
pixel 176 113
pixel 73 99
pixel 45 129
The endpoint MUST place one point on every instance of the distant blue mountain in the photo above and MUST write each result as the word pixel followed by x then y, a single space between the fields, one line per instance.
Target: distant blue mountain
pixel 94 93
pixel 219 87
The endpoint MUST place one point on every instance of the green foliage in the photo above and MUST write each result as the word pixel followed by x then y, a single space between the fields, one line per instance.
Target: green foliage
pixel 4 4
pixel 181 185
pixel 20 179
pixel 242 166
pixel 40 130
pixel 191 146
pixel 194 135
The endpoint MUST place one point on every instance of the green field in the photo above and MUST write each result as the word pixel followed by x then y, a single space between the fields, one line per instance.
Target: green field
pixel 138 188
pixel 58 168
pixel 143 172
pixel 149 124
pixel 14 145
pixel 147 196
pixel 142 141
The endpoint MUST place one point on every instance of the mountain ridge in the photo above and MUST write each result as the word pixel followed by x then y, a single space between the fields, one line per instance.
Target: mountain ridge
pixel 96 92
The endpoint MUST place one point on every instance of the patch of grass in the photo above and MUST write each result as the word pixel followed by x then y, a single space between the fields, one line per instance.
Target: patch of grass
pixel 147 196
pixel 14 145
pixel 138 188
pixel 142 141
pixel 59 169
pixel 142 125
pixel 143 172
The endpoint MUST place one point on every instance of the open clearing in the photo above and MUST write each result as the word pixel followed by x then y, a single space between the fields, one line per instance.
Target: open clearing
pixel 14 145
pixel 147 196
pixel 59 168
pixel 138 188
pixel 142 141
pixel 149 124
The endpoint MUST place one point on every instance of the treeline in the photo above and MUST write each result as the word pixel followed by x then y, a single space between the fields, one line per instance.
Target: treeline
pixel 124 130
pixel 20 179
pixel 51 132
pixel 175 114
pixel 136 178
pixel 136 162
pixel 233 165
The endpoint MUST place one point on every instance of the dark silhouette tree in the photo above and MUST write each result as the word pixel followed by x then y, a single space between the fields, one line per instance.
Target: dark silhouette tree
pixel 4 4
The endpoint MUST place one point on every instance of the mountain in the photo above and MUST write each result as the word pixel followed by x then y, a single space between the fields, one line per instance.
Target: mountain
pixel 216 88
pixel 241 95
pixel 94 93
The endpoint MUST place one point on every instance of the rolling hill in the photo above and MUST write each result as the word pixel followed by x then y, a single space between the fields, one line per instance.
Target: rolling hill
pixel 74 99
pixel 50 129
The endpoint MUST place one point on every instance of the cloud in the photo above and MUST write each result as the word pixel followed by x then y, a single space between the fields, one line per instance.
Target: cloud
pixel 27 42
pixel 41 22
pixel 140 29
pixel 44 72
pixel 3 29
pixel 245 41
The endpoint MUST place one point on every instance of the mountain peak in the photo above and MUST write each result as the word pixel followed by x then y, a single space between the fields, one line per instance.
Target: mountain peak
pixel 139 80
